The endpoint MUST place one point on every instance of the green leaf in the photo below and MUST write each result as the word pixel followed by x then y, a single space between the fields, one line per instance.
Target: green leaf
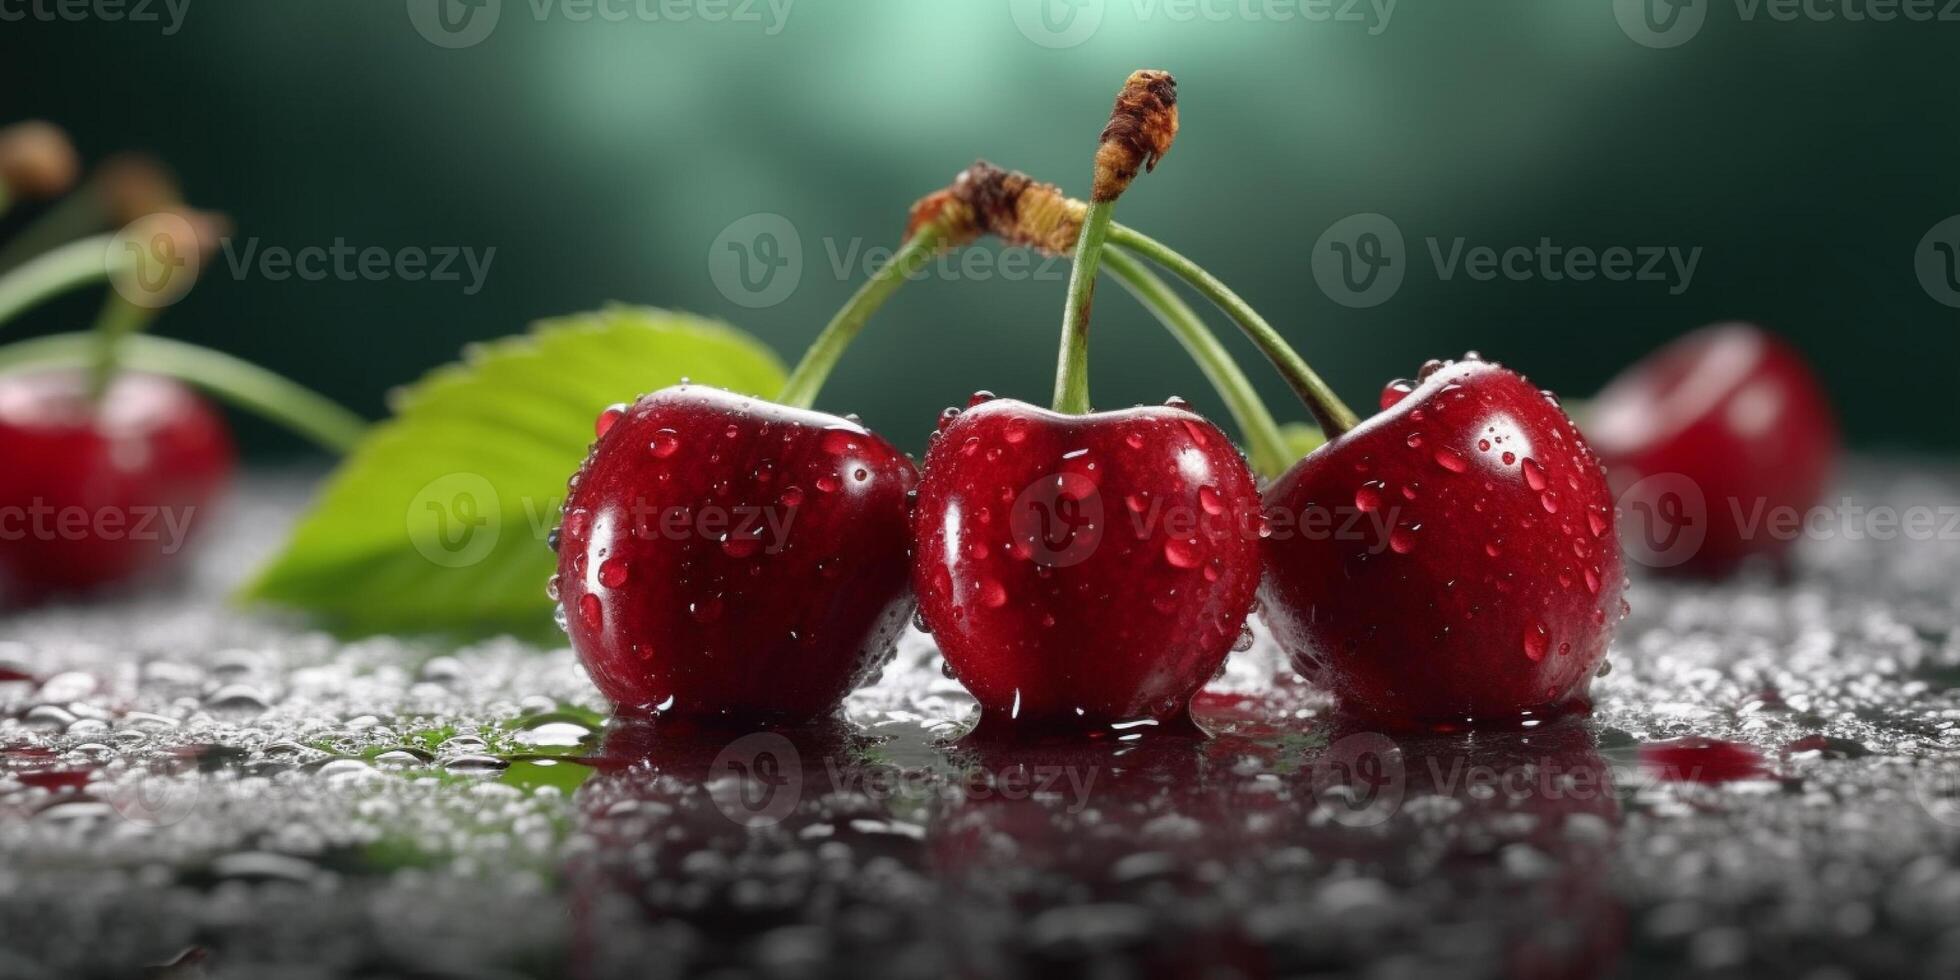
pixel 436 521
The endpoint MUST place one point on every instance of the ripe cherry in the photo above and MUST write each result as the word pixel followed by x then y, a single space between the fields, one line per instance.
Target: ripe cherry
pixel 96 491
pixel 1708 440
pixel 1083 571
pixel 1449 560
pixel 728 557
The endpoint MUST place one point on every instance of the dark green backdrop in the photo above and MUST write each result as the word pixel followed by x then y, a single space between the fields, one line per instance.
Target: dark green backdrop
pixel 601 160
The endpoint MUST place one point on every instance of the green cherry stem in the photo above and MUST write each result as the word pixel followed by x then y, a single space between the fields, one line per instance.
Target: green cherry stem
pixel 1264 440
pixel 119 320
pixel 240 382
pixel 1072 369
pixel 1333 414
pixel 800 391
pixel 54 272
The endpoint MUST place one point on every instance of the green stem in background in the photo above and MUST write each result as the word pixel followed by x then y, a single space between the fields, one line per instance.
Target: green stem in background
pixel 1268 446
pixel 119 320
pixel 242 383
pixel 1333 415
pixel 800 391
pixel 1072 369
pixel 73 265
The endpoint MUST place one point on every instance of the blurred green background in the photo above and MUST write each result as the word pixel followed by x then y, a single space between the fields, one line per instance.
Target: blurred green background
pixel 601 159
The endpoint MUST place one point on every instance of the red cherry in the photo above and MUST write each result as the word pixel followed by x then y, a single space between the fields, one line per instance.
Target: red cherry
pixel 94 493
pixel 1084 571
pixel 1707 440
pixel 1451 559
pixel 724 556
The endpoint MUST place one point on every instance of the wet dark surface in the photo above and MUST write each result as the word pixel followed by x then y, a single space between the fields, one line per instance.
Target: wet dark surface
pixel 1768 787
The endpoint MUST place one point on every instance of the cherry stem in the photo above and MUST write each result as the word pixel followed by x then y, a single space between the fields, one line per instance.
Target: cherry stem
pixel 1333 414
pixel 240 382
pixel 1268 446
pixel 1072 368
pixel 119 320
pixel 800 391
pixel 54 272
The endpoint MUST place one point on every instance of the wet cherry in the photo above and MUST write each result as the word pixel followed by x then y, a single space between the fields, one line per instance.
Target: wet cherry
pixel 1449 560
pixel 728 557
pixel 1708 441
pixel 1084 571
pixel 95 492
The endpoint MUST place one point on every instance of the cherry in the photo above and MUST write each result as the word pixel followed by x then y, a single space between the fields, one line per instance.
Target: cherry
pixel 724 556
pixel 1084 570
pixel 1451 559
pixel 94 492
pixel 1707 440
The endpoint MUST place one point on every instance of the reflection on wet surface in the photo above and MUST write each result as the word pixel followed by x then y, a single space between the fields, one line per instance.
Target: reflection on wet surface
pixel 1767 787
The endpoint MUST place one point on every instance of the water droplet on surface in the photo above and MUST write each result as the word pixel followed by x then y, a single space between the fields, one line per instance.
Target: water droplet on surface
pixel 828 483
pixel 665 443
pixel 1395 391
pixel 1451 461
pixel 1414 441
pixel 1016 431
pixel 1534 475
pixel 1597 522
pixel 792 496
pixel 1134 440
pixel 992 594
pixel 1368 497
pixel 1537 640
pixel 1549 501
pixel 1182 552
pixel 1402 540
pixel 1209 499
pixel 590 611
pixel 607 419
pixel 612 573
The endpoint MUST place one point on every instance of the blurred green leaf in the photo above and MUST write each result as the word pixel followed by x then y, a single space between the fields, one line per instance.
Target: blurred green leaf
pixel 436 521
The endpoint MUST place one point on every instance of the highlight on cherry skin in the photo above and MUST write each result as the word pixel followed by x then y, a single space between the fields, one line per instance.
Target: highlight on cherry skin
pixel 1084 573
pixel 726 557
pixel 1452 560
pixel 1706 440
pixel 102 490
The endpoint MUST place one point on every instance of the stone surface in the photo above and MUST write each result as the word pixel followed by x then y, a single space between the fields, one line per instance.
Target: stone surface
pixel 200 792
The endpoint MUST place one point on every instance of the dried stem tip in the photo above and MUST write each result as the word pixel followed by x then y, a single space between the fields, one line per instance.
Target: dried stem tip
pixel 36 159
pixel 1007 204
pixel 1141 128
